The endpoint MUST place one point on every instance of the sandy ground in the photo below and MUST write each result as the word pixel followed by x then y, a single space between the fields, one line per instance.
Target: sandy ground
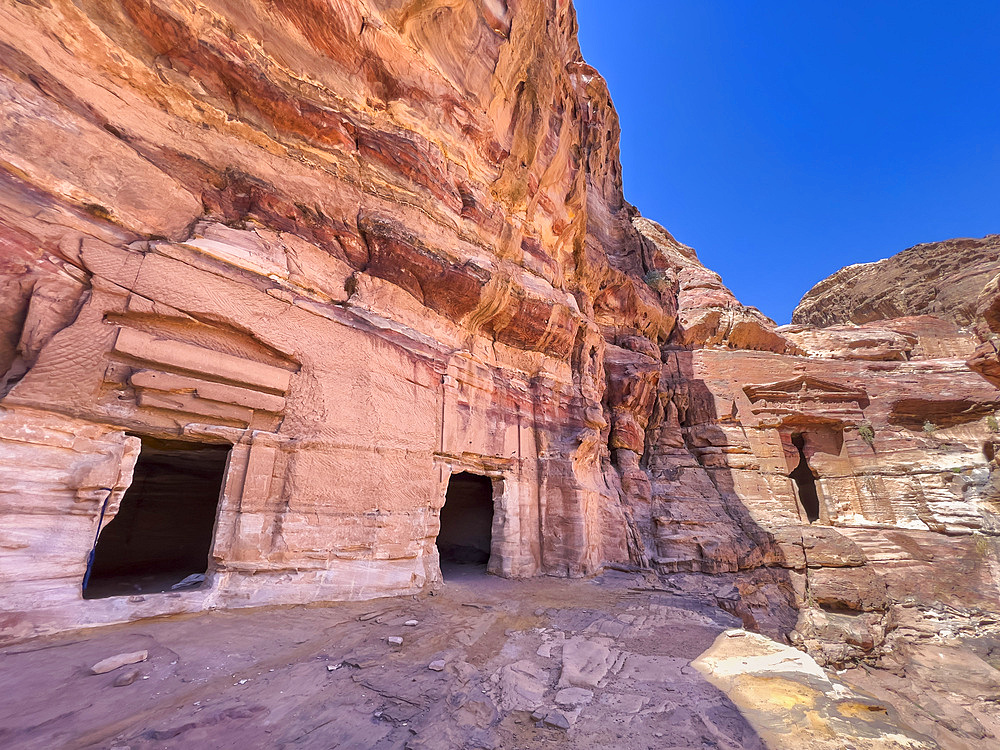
pixel 327 677
pixel 485 662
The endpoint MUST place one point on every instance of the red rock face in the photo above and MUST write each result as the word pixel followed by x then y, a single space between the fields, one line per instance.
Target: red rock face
pixel 367 246
pixel 986 359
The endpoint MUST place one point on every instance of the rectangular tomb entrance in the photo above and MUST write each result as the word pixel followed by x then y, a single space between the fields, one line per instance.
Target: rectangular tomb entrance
pixel 163 530
pixel 805 482
pixel 466 535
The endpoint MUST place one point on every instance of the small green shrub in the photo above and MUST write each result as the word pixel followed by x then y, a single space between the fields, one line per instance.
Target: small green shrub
pixel 867 433
pixel 870 485
pixel 992 424
pixel 929 427
pixel 657 280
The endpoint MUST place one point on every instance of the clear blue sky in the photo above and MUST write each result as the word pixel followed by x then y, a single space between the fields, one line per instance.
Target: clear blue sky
pixel 784 139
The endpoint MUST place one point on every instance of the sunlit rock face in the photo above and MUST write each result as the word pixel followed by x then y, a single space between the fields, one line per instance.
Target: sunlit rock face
pixel 369 246
pixel 834 458
pixel 937 278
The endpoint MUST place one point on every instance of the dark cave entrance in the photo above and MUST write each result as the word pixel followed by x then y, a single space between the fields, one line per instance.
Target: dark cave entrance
pixel 805 482
pixel 163 530
pixel 466 535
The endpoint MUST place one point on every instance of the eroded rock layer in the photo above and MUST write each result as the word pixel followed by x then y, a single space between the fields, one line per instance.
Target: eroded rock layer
pixel 367 246
pixel 986 359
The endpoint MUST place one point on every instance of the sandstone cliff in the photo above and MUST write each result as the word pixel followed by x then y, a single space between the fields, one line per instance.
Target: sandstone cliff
pixel 986 358
pixel 347 254
pixel 367 245
pixel 937 278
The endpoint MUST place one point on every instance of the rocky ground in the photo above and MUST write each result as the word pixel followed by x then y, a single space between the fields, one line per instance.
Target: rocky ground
pixel 483 662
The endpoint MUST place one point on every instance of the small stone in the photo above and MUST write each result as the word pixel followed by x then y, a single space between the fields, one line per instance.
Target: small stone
pixel 437 666
pixel 119 660
pixel 126 678
pixel 332 667
pixel 735 633
pixel 537 715
pixel 395 640
pixel 574 697
pixel 557 719
pixel 539 612
pixel 411 623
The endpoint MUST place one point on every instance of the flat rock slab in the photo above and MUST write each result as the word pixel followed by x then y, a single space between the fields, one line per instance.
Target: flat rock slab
pixel 574 697
pixel 522 685
pixel 653 668
pixel 584 663
pixel 792 702
pixel 119 660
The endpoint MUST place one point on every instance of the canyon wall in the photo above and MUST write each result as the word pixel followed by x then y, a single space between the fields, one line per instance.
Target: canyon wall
pixel 366 245
pixel 843 463
pixel 986 359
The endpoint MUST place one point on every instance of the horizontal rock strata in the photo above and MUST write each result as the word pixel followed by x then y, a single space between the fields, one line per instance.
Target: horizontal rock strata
pixel 365 247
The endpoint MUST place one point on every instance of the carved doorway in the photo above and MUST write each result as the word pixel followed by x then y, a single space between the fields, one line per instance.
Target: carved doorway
pixel 466 535
pixel 163 531
pixel 805 482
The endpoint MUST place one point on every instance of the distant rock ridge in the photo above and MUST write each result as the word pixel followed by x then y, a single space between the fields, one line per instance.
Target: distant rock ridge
pixel 943 279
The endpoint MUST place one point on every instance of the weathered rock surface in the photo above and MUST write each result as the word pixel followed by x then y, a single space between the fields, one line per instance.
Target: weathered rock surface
pixel 986 359
pixel 321 677
pixel 769 682
pixel 937 278
pixel 365 247
pixel 900 339
pixel 708 313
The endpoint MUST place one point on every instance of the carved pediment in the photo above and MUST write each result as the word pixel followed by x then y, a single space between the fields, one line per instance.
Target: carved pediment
pixel 805 386
pixel 175 370
pixel 807 396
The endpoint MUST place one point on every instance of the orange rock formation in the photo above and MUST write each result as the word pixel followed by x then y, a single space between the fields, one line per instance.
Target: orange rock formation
pixel 320 259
